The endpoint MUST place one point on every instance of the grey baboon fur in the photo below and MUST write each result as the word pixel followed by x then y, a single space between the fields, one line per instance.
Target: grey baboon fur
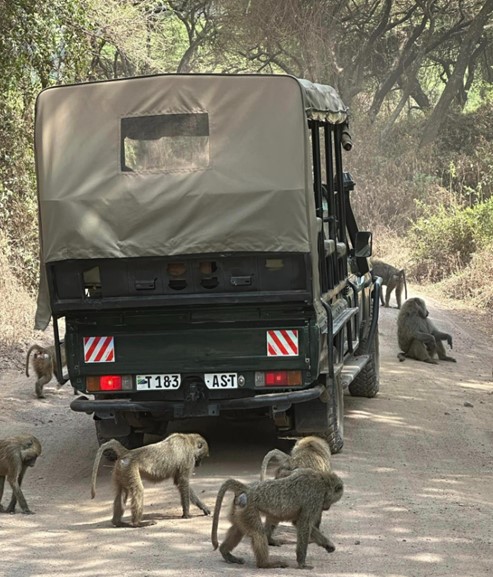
pixel 175 457
pixel 309 452
pixel 44 365
pixel 16 454
pixel 300 498
pixel 393 278
pixel 417 336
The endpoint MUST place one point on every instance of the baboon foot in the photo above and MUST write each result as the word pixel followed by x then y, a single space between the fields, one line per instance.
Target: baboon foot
pixel 134 525
pixel 330 547
pixel 401 357
pixel 431 361
pixel 26 512
pixel 451 359
pixel 206 511
pixel 230 558
pixel 274 542
pixel 186 516
pixel 305 566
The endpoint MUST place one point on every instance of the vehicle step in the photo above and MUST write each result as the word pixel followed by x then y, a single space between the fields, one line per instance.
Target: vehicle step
pixel 343 318
pixel 351 369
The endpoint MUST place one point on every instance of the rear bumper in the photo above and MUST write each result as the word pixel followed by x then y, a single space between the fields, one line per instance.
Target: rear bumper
pixel 180 408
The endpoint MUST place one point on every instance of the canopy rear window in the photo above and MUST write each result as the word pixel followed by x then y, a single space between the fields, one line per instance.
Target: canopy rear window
pixel 165 142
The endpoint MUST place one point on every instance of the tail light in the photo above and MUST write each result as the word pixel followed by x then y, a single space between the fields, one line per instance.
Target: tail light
pixel 279 379
pixel 109 383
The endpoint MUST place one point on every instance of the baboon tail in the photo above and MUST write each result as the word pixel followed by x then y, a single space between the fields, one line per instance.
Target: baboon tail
pixel 230 485
pixel 405 283
pixel 112 444
pixel 274 454
pixel 31 349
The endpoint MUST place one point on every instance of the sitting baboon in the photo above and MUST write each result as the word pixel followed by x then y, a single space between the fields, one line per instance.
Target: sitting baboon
pixel 16 455
pixel 307 453
pixel 44 365
pixel 300 498
pixel 392 278
pixel 175 457
pixel 417 336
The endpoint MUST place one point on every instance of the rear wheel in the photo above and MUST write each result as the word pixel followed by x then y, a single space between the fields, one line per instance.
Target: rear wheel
pixel 131 440
pixel 323 417
pixel 367 382
pixel 335 415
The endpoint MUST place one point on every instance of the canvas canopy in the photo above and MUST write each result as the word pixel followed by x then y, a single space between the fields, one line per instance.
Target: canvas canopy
pixel 176 165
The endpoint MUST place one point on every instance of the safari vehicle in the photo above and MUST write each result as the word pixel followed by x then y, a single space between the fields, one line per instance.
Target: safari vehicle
pixel 198 238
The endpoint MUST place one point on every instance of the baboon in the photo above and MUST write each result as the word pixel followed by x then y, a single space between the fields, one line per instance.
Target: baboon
pixel 308 453
pixel 16 454
pixel 417 336
pixel 175 457
pixel 44 365
pixel 300 498
pixel 392 278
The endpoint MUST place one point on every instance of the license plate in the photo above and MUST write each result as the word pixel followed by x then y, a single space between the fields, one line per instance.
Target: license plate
pixel 221 380
pixel 158 382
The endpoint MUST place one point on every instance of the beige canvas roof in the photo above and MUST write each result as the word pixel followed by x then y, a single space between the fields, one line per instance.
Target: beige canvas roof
pixel 240 180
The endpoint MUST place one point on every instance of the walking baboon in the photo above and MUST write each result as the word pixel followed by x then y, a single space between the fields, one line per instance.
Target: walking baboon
pixel 417 336
pixel 16 454
pixel 44 364
pixel 175 457
pixel 392 278
pixel 300 498
pixel 307 453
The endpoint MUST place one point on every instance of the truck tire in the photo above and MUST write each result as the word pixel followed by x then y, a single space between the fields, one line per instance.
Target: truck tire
pixel 322 417
pixel 132 440
pixel 367 382
pixel 335 416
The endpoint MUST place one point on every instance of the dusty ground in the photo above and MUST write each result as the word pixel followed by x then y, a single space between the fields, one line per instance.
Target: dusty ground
pixel 417 465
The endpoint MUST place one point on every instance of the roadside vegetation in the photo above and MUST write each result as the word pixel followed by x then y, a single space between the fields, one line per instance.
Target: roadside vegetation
pixel 416 75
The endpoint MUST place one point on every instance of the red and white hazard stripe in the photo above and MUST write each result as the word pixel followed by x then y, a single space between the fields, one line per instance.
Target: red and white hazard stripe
pixel 282 343
pixel 99 349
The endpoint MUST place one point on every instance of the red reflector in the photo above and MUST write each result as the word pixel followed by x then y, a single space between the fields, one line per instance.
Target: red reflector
pixel 110 383
pixel 273 378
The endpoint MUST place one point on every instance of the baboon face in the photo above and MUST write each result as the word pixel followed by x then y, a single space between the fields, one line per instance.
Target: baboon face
pixel 201 450
pixel 417 306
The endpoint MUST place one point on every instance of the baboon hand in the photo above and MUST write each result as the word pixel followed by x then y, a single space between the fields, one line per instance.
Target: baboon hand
pixel 206 511
pixel 330 547
pixel 449 341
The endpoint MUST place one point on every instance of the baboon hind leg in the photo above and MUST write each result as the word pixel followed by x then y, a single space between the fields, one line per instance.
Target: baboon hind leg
pixel 137 504
pixel 13 499
pixel 255 530
pixel 388 292
pixel 442 355
pixel 233 537
pixel 40 383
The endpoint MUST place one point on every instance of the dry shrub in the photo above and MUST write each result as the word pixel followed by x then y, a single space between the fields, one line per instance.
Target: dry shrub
pixel 474 282
pixel 17 310
pixel 390 247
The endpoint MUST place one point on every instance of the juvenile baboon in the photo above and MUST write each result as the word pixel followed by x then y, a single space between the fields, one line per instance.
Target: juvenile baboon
pixel 307 453
pixel 417 336
pixel 300 498
pixel 16 454
pixel 44 364
pixel 392 278
pixel 175 458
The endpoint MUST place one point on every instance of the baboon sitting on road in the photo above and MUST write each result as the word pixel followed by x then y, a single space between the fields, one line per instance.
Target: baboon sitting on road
pixel 44 365
pixel 16 454
pixel 300 498
pixel 307 453
pixel 392 278
pixel 417 336
pixel 175 458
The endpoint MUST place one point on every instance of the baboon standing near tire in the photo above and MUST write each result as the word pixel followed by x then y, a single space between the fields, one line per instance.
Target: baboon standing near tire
pixel 44 364
pixel 175 458
pixel 417 336
pixel 392 278
pixel 16 455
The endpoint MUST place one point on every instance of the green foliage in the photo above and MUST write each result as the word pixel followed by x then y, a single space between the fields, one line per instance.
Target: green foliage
pixel 445 242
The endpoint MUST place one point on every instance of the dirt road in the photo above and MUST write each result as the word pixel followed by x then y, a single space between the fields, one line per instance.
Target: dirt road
pixel 417 465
